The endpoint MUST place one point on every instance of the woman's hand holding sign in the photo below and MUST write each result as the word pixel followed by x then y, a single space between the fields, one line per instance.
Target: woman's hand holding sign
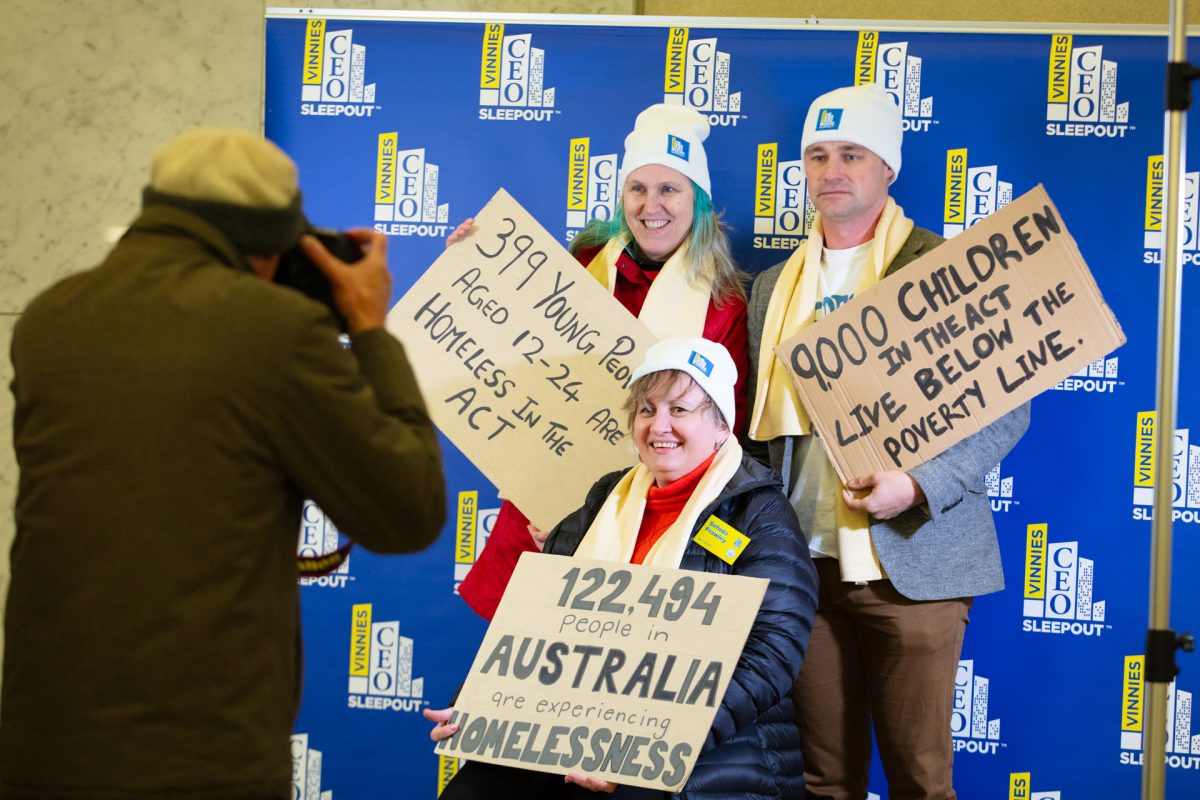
pixel 443 728
pixel 590 783
pixel 464 229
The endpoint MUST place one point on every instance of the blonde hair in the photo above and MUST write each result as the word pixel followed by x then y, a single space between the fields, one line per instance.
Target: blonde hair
pixel 655 383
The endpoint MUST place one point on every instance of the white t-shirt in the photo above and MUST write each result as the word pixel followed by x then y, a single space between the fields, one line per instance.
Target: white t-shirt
pixel 815 493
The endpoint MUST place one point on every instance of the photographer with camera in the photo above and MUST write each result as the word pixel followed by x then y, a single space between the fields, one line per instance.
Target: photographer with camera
pixel 174 408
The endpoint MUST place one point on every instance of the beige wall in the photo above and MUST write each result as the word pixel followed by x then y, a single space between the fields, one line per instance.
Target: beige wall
pixel 1095 11
pixel 89 88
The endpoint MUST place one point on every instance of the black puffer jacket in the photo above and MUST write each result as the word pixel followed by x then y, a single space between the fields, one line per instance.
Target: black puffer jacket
pixel 753 748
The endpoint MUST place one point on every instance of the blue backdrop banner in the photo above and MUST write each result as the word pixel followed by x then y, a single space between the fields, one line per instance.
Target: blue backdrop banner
pixel 410 123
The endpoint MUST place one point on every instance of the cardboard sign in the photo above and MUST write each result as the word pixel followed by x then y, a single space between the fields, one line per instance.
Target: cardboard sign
pixel 524 361
pixel 951 342
pixel 605 669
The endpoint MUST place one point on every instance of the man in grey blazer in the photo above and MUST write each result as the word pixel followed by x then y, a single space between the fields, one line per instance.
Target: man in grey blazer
pixel 899 554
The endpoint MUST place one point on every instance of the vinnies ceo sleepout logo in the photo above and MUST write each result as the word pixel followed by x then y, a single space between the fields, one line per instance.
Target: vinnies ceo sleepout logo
pixel 1185 472
pixel 1182 747
pixel 319 536
pixel 697 75
pixel 970 727
pixel 381 665
pixel 1058 588
pixel 406 192
pixel 1189 221
pixel 1000 491
pixel 1081 98
pixel 1020 787
pixel 892 68
pixel 783 212
pixel 591 185
pixel 473 525
pixel 511 78
pixel 306 771
pixel 1100 376
pixel 333 74
pixel 971 193
pixel 447 768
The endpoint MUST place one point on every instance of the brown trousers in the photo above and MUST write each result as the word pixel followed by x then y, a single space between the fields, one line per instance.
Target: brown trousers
pixel 878 658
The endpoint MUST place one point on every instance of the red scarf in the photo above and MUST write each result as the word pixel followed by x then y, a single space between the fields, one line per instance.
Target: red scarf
pixel 663 505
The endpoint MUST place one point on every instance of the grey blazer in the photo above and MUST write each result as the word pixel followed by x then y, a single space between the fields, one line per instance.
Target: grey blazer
pixel 946 547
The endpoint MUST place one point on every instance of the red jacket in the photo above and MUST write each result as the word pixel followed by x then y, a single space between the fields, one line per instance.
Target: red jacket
pixel 485 583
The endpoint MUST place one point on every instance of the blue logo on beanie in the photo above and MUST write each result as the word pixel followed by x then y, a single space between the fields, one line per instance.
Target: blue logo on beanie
pixel 701 363
pixel 828 119
pixel 677 147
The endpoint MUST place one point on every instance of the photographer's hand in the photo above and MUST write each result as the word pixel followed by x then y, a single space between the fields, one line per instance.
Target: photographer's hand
pixel 361 290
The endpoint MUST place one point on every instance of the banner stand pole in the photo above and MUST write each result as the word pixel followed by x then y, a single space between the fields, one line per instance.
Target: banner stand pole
pixel 1161 641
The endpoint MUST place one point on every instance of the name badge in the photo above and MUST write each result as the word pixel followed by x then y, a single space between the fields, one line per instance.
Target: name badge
pixel 721 539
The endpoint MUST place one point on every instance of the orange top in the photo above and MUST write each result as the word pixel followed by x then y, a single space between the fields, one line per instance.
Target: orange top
pixel 663 505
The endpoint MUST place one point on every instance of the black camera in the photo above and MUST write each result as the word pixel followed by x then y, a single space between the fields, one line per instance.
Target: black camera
pixel 300 273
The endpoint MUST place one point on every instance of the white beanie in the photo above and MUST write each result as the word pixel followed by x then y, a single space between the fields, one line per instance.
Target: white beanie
pixel 670 135
pixel 225 164
pixel 236 180
pixel 708 363
pixel 863 115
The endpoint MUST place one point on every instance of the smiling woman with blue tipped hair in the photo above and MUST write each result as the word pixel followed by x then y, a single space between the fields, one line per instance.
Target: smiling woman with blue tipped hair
pixel 665 257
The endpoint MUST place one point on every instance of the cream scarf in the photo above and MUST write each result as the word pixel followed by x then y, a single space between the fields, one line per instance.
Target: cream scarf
pixel 613 533
pixel 777 409
pixel 674 309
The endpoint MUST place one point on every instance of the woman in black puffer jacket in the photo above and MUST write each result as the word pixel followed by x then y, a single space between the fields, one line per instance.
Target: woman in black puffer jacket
pixel 691 469
pixel 753 747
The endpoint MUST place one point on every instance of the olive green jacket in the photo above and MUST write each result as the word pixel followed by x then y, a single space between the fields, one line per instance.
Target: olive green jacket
pixel 172 412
